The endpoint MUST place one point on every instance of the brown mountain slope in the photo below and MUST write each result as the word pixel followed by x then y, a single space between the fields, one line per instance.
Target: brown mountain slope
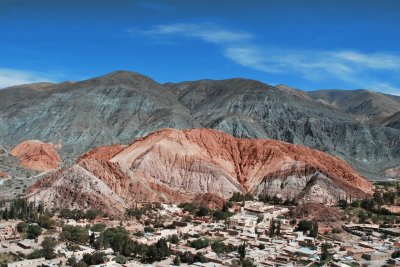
pixel 36 155
pixel 174 166
pixel 364 105
pixel 393 121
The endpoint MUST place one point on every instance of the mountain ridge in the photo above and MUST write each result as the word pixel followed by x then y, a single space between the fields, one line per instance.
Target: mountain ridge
pixel 121 106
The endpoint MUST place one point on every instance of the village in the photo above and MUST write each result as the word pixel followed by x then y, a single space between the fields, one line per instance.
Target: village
pixel 245 233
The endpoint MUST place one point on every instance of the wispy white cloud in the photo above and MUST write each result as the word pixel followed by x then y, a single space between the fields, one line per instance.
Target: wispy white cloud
pixel 349 66
pixel 372 61
pixel 11 77
pixel 353 67
pixel 207 32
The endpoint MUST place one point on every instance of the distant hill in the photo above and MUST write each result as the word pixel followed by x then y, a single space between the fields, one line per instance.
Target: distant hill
pixel 365 106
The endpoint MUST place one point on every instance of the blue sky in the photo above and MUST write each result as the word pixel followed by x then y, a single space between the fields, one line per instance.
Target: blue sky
pixel 305 44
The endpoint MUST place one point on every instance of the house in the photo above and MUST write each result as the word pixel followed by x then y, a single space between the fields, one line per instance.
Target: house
pixel 27 263
pixel 8 232
pixel 246 222
pixel 376 255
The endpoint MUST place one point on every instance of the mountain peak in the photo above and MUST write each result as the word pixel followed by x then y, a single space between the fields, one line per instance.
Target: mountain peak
pixel 123 74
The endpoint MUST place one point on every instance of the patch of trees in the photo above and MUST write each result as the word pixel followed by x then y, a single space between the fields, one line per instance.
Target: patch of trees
pixel 325 255
pixel 94 258
pixel 119 240
pixel 174 239
pixel 199 243
pixel 275 200
pixel 120 259
pixel 21 209
pixel 189 207
pixel 157 252
pixel 45 221
pixel 220 248
pixel 373 204
pixel 98 227
pixel 32 231
pixel 308 226
pixel 79 214
pixel 76 234
pixel 47 250
pixel 274 228
pixel 224 213
pixel 239 197
pixel 139 212
pixel 188 258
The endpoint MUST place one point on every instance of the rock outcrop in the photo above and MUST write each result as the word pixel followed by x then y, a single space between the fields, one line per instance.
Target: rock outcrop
pixel 210 201
pixel 175 166
pixel 3 174
pixel 37 155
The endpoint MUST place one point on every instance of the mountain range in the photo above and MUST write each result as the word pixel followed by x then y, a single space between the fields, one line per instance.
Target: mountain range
pixel 361 127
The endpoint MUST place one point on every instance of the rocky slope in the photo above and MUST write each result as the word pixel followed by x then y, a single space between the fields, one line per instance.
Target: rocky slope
pixel 393 121
pixel 120 106
pixel 36 155
pixel 363 105
pixel 175 166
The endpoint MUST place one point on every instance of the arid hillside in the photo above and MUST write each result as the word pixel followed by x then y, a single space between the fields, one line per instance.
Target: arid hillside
pixel 174 166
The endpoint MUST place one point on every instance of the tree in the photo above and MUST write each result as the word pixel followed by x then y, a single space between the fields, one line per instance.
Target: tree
pixel 75 234
pixel 278 228
pixel 247 263
pixel 48 246
pixel 199 243
pixel 33 231
pixel 22 227
pixel 199 257
pixel 203 211
pixel 81 263
pixel 242 251
pixel 38 253
pixel 325 256
pixel 174 239
pixel 362 216
pixel 46 222
pixel 186 257
pixel 304 226
pixel 98 227
pixel 272 228
pixel 342 203
pixel 158 252
pixel 177 261
pixel 218 247
pixel 148 229
pixel 72 261
pixel 396 254
pixel 120 259
pixel 95 258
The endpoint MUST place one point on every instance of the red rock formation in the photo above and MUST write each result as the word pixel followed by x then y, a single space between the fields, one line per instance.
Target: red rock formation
pixel 174 166
pixel 211 201
pixel 3 174
pixel 37 155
